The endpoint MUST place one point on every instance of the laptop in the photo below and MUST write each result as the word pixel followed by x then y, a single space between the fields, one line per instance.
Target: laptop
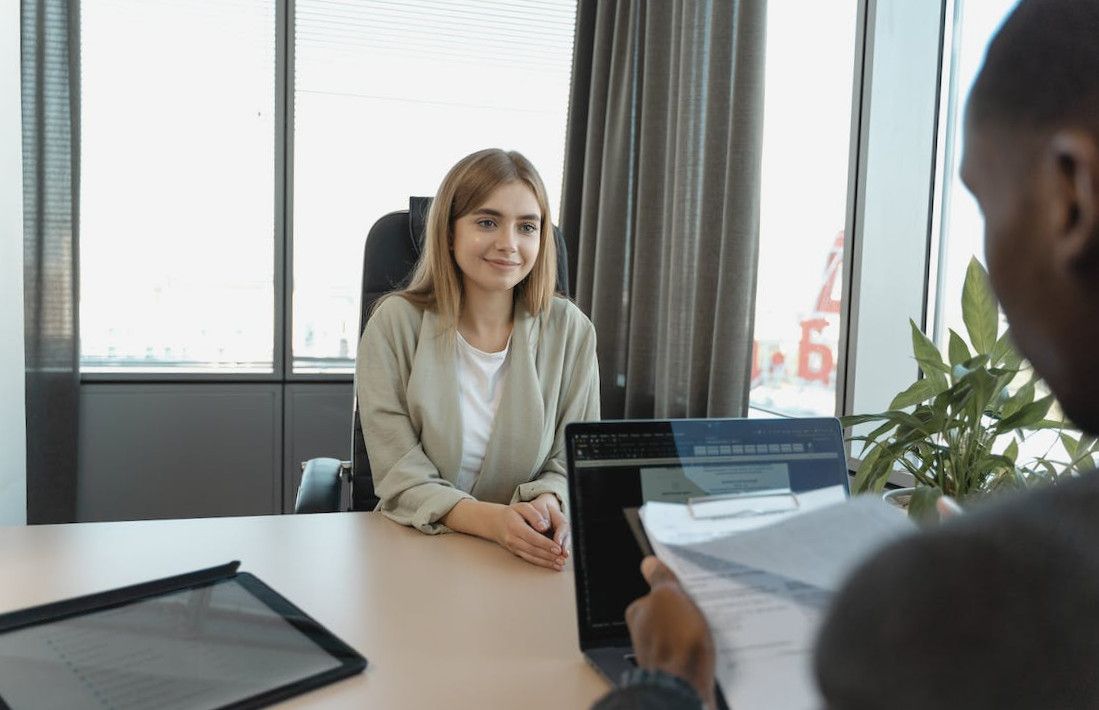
pixel 617 466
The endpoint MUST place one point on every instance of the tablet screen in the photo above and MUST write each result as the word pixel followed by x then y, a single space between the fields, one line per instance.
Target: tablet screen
pixel 203 647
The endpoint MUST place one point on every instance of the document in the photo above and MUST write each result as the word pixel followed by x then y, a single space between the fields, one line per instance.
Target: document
pixel 674 524
pixel 764 584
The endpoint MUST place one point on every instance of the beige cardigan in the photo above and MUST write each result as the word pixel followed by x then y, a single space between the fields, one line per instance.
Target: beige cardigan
pixel 407 384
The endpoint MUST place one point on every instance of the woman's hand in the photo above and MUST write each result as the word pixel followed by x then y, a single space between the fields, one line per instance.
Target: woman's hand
pixel 669 633
pixel 518 529
pixel 556 526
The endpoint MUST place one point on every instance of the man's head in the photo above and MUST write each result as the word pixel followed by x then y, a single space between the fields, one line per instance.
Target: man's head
pixel 1032 162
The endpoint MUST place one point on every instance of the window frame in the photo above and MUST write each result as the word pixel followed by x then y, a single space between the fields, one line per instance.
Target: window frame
pixel 875 366
pixel 283 236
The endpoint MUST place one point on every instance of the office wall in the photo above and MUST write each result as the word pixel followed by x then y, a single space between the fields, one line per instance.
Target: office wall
pixel 13 451
pixel 317 423
pixel 179 451
pixel 200 449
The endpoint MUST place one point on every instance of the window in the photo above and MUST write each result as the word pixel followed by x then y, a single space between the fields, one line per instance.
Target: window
pixel 806 144
pixel 961 225
pixel 177 186
pixel 387 97
pixel 179 191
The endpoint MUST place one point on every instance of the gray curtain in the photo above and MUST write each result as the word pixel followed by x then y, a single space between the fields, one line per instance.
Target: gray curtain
pixel 661 200
pixel 51 139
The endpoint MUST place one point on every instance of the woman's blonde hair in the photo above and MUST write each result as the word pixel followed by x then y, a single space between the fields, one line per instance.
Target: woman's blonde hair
pixel 436 282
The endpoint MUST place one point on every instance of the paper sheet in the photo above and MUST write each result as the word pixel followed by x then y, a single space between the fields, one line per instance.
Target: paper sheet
pixel 672 524
pixel 764 586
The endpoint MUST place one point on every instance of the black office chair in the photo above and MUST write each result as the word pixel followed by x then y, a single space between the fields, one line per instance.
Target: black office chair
pixel 392 249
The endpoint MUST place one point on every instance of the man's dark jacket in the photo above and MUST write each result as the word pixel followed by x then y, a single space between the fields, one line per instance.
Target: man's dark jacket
pixel 996 609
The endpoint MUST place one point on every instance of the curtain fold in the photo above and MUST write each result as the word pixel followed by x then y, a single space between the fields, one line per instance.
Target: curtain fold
pixel 50 78
pixel 661 201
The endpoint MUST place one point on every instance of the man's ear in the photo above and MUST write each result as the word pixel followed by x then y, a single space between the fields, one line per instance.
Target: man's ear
pixel 1076 154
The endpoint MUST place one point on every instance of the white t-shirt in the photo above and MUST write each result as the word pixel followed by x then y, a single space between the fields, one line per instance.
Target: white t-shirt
pixel 480 382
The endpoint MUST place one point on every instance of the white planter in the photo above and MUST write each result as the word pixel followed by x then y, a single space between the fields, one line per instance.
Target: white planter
pixel 899 497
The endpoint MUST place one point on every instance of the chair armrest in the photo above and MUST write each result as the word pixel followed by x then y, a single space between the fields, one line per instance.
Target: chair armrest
pixel 319 490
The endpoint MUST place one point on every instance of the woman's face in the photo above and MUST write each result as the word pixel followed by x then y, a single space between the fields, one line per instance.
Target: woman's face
pixel 496 244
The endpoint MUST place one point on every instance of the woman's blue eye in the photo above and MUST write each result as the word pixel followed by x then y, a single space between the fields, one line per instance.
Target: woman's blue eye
pixel 486 223
pixel 529 228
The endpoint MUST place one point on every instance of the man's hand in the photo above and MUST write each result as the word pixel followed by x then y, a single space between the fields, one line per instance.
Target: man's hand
pixel 669 633
pixel 948 508
pixel 518 528
pixel 556 525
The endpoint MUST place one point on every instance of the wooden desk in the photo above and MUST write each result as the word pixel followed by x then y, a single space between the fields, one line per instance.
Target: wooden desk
pixel 447 621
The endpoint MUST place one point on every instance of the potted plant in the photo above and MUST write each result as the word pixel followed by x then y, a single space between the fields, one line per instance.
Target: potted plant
pixel 958 429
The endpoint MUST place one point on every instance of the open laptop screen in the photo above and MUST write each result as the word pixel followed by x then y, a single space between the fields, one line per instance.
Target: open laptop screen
pixel 614 466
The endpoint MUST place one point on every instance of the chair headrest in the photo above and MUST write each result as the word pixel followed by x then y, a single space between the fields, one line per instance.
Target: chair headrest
pixel 418 208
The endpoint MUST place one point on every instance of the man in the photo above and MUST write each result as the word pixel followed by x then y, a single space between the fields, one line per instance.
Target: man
pixel 1000 608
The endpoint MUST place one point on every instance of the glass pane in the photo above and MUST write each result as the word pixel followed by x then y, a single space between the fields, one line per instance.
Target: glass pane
pixel 177 185
pixel 387 97
pixel 962 224
pixel 803 205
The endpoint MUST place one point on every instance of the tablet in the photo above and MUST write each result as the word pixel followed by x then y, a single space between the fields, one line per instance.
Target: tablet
pixel 215 638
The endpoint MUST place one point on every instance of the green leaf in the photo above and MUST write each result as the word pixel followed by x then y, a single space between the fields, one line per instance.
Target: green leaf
pixel 1004 352
pixel 865 476
pixel 1022 397
pixel 1070 444
pixel 878 432
pixel 912 423
pixel 856 419
pixel 976 362
pixel 929 357
pixel 1049 473
pixel 945 399
pixel 1028 416
pixel 919 391
pixel 934 419
pixel 921 506
pixel 1002 394
pixel 982 387
pixel 979 311
pixel 1012 451
pixel 959 351
pixel 959 371
pixel 1089 443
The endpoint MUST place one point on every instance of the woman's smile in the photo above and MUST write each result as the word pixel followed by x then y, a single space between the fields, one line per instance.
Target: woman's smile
pixel 504 264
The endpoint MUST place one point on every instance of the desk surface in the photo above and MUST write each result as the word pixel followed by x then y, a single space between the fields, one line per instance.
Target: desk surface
pixel 445 621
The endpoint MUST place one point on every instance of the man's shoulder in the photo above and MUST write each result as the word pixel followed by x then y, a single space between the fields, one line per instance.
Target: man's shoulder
pixel 979 586
pixel 1015 527
pixel 1071 500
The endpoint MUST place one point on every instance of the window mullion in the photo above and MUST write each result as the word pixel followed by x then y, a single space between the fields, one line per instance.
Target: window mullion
pixel 284 185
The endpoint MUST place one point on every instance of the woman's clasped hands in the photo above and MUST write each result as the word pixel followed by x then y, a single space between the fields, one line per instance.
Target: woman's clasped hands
pixel 536 531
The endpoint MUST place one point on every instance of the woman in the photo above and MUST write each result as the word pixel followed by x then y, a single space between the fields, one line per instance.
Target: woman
pixel 467 378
